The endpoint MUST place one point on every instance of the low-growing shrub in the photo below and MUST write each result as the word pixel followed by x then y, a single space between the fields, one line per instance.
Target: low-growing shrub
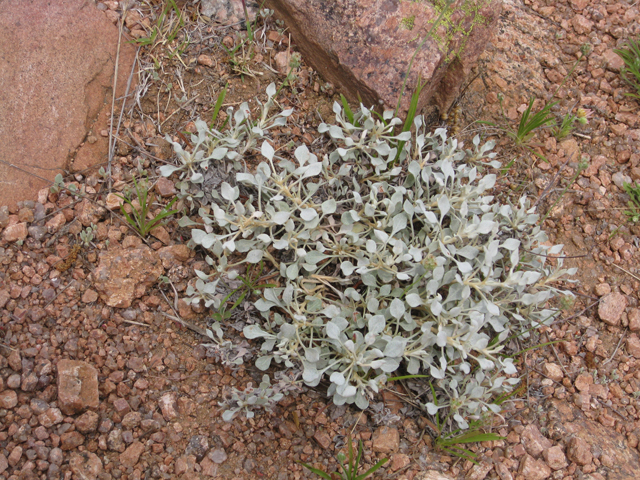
pixel 385 261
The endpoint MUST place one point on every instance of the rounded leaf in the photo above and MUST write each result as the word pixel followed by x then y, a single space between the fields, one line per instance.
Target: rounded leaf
pixel 267 150
pixel 376 324
pixel 329 206
pixel 254 256
pixel 397 308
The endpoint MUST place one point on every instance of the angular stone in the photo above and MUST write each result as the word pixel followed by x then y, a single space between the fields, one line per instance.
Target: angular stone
pixel 115 442
pixel 8 399
pixel 198 446
pixel 365 46
pixel 611 308
pixel 208 468
pixel 15 456
pixel 634 319
pixel 225 12
pixel 89 296
pixel 534 442
pixel 164 186
pixel 398 461
pixel 217 455
pixel 71 440
pixel 167 404
pixel 86 465
pixel 89 213
pixel 77 386
pixel 323 438
pixel 15 232
pixel 386 440
pixel 533 469
pixel 579 451
pixel 555 457
pixel 614 61
pixel 55 81
pixel 113 201
pixel 174 255
pixel 125 274
pixel 52 416
pixel 131 420
pixel 583 382
pixel 553 371
pixel 479 471
pixel 87 422
pixel 121 406
pixel 633 345
pixel 131 455
pixel 503 472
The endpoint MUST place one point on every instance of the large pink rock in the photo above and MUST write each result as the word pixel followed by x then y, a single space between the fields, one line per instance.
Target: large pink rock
pixel 365 46
pixel 56 77
pixel 124 274
pixel 77 386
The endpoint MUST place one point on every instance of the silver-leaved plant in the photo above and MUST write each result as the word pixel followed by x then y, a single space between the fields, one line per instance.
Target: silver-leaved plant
pixel 386 260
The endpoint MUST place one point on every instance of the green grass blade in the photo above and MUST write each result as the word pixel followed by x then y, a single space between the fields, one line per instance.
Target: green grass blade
pixel 372 469
pixel 347 109
pixel 411 114
pixel 316 471
pixel 218 105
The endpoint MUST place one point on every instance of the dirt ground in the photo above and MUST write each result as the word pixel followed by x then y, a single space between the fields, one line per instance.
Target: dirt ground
pixel 159 416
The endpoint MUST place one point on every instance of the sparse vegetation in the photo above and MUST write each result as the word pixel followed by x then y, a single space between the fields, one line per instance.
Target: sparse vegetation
pixel 383 251
pixel 140 218
pixel 634 202
pixel 350 470
pixel 631 71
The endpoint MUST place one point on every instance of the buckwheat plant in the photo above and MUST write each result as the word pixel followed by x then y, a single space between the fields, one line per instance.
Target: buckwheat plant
pixel 385 261
pixel 235 143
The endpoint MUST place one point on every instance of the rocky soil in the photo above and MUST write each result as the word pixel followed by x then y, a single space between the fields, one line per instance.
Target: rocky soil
pixel 104 373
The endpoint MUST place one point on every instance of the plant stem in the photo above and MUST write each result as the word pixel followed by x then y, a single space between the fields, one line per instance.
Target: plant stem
pixel 415 53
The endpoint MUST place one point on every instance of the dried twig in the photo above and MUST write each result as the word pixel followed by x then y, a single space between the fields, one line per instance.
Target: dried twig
pixel 617 347
pixel 625 271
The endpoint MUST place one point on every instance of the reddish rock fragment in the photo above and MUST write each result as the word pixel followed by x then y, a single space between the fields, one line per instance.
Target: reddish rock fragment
pixel 479 471
pixel 398 461
pixel 533 469
pixel 633 345
pixel 174 255
pixel 534 442
pixel 8 399
pixel 77 386
pixel 125 274
pixel 611 308
pixel 322 438
pixel 15 232
pixel 579 451
pixel 71 440
pixel 634 319
pixel 121 406
pixel 86 465
pixel 87 422
pixel 15 456
pixel 167 404
pixel 363 48
pixel 55 77
pixel 386 440
pixel 89 296
pixel 555 457
pixel 131 455
pixel 553 371
pixel 15 361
